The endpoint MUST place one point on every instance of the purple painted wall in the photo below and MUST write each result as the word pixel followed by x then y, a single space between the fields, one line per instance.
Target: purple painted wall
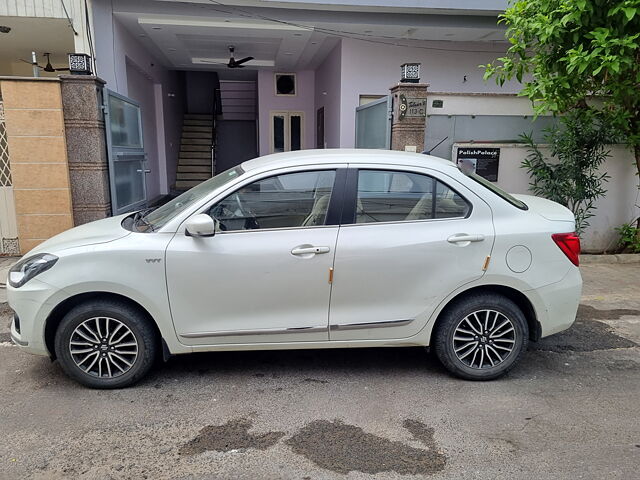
pixel 371 69
pixel 117 53
pixel 304 102
pixel 327 95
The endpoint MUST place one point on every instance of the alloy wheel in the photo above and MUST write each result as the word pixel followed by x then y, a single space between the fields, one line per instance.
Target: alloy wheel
pixel 484 339
pixel 103 347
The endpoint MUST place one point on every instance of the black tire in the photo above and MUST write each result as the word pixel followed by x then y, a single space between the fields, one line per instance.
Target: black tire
pixel 132 318
pixel 454 316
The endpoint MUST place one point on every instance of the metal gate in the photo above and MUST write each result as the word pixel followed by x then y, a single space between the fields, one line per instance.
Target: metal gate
pixel 373 124
pixel 125 147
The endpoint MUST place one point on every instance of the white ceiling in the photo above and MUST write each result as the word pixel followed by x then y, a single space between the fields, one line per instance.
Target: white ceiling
pixel 194 36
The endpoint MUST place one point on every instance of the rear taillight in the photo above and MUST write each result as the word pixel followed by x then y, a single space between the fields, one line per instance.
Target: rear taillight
pixel 569 243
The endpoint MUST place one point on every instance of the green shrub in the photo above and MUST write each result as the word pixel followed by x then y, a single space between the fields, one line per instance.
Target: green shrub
pixel 571 176
pixel 629 237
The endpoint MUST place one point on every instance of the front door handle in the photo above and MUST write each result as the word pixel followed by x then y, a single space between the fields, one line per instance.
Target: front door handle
pixel 309 250
pixel 463 237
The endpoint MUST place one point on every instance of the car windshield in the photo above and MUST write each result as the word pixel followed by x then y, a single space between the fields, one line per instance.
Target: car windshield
pixel 494 188
pixel 160 216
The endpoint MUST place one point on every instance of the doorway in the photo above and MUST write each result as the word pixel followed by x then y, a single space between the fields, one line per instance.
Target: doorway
pixel 125 148
pixel 286 131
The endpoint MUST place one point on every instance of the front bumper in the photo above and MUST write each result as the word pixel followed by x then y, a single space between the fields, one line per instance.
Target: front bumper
pixel 32 304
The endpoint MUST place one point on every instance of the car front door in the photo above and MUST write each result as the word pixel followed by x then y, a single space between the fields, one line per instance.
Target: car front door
pixel 408 239
pixel 263 277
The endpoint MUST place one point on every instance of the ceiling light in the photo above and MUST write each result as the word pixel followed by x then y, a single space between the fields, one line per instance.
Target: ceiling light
pixel 288 53
pixel 156 28
pixel 297 34
pixel 171 49
pixel 142 34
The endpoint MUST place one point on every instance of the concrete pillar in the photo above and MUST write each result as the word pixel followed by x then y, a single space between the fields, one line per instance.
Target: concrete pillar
pixel 86 147
pixel 409 116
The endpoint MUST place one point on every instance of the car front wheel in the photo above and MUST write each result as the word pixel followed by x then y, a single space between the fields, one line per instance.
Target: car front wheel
pixel 481 337
pixel 105 344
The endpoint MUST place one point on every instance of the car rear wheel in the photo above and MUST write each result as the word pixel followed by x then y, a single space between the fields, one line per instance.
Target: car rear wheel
pixel 481 337
pixel 105 344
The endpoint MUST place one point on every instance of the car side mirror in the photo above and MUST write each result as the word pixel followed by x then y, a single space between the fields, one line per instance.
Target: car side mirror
pixel 201 225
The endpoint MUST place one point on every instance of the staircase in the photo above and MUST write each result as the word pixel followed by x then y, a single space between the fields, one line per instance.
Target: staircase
pixel 194 161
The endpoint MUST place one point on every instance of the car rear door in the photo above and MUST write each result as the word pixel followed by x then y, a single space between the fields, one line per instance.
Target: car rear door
pixel 408 238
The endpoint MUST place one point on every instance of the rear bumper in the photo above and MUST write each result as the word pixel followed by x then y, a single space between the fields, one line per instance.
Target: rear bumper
pixel 556 304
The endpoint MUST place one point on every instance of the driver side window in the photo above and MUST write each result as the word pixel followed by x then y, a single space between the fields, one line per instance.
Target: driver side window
pixel 284 201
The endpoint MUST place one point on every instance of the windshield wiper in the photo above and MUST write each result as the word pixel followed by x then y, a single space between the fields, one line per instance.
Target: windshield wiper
pixel 139 217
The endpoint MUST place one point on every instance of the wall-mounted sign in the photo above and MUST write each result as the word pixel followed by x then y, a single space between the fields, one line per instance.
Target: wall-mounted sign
pixel 483 161
pixel 412 107
pixel 416 107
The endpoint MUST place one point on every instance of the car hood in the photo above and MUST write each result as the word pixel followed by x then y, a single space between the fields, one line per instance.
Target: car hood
pixel 100 231
pixel 547 208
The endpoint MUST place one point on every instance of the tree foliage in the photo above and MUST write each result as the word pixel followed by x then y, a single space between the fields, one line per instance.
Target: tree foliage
pixel 565 51
pixel 570 174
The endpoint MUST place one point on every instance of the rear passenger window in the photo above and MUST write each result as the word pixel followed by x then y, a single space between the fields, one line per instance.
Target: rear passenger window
pixel 394 196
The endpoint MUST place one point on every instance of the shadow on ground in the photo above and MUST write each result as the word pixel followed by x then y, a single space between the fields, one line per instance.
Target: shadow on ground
pixel 587 334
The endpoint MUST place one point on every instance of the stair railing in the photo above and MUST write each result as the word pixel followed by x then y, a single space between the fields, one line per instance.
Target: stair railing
pixel 214 117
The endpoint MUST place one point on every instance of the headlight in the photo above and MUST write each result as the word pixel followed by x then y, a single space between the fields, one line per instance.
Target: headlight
pixel 26 269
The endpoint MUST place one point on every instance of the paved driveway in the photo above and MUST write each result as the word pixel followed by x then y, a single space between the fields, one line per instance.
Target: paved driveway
pixel 570 410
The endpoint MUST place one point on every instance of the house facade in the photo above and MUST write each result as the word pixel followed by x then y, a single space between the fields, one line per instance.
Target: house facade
pixel 178 110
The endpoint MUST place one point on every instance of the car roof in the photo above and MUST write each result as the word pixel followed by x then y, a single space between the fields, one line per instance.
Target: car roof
pixel 345 155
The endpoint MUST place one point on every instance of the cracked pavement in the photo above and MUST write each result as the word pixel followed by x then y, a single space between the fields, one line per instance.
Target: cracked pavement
pixel 569 410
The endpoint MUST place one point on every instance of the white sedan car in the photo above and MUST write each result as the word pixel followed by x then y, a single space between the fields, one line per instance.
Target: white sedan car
pixel 310 249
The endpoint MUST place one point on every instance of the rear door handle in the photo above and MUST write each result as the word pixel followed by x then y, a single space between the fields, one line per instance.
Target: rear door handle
pixel 309 250
pixel 463 237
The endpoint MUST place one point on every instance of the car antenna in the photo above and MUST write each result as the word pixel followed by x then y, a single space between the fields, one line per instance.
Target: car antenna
pixel 428 152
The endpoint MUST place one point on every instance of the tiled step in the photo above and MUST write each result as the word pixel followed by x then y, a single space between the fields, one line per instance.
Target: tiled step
pixel 196 141
pixel 200 154
pixel 194 161
pixel 193 176
pixel 194 168
pixel 198 123
pixel 194 128
pixel 195 148
pixel 186 184
pixel 205 135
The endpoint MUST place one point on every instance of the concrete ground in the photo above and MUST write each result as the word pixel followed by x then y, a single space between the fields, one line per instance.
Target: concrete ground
pixel 569 410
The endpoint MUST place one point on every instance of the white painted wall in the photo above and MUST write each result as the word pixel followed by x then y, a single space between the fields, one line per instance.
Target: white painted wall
pixel 478 104
pixel 618 206
pixel 371 69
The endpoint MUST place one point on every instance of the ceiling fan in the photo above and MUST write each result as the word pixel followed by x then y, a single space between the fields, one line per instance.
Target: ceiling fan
pixel 48 67
pixel 233 63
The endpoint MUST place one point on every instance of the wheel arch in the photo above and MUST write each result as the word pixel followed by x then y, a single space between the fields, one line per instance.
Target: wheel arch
pixel 64 307
pixel 520 299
